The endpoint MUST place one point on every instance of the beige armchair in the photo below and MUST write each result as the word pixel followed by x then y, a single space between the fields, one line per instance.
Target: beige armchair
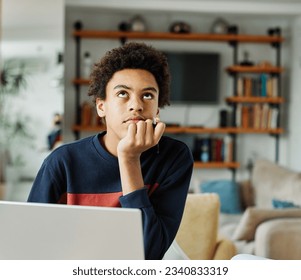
pixel 198 233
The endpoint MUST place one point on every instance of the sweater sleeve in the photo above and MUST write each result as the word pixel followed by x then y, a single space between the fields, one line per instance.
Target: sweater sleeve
pixel 162 211
pixel 46 188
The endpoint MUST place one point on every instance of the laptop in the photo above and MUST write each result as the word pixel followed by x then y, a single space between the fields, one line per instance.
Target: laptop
pixel 38 231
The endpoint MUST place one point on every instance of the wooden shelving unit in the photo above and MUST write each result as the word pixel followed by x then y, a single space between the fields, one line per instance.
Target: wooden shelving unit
pixel 233 40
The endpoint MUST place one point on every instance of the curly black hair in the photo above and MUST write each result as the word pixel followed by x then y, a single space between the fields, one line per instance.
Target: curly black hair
pixel 131 55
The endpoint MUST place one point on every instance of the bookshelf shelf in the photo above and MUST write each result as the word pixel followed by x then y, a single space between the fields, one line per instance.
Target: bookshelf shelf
pixel 189 130
pixel 231 165
pixel 254 99
pixel 109 34
pixel 255 69
pixel 81 81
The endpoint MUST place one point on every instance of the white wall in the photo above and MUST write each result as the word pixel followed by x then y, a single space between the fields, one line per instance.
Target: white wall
pixel 32 32
pixel 249 146
pixel 294 112
pixel 41 98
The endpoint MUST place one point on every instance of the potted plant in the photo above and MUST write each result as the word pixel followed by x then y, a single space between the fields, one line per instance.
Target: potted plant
pixel 13 127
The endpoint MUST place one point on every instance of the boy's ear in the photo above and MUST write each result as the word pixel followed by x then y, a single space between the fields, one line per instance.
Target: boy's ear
pixel 100 107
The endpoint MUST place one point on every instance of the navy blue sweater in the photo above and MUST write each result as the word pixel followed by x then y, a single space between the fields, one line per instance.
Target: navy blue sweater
pixel 84 173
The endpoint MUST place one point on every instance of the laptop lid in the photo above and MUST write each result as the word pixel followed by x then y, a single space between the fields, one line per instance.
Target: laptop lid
pixel 57 232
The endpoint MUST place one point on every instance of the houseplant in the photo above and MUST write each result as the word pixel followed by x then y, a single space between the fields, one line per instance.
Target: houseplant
pixel 13 126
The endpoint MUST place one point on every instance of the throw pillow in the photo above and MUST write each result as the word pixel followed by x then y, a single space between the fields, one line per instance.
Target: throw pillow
pixel 270 180
pixel 228 192
pixel 253 216
pixel 283 204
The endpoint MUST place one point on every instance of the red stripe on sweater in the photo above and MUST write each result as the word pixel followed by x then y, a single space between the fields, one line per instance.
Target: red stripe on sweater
pixel 102 199
pixel 94 199
pixel 152 188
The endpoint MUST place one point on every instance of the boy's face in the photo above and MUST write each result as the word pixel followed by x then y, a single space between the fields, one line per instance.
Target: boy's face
pixel 131 95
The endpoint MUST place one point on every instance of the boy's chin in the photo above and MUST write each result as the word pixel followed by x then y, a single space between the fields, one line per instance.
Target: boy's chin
pixel 119 132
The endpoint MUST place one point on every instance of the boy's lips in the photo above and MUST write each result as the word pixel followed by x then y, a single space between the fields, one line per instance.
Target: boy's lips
pixel 134 119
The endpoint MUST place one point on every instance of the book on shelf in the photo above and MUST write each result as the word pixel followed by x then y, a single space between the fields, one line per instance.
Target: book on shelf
pixel 213 149
pixel 264 116
pixel 274 87
pixel 269 87
pixel 227 149
pixel 86 114
pixel 238 115
pixel 89 116
pixel 263 85
pixel 245 116
pixel 257 116
pixel 247 86
pixel 273 118
pixel 240 86
pixel 257 85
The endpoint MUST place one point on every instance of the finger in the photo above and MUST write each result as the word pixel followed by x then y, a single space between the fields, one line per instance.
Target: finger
pixel 140 133
pixel 156 120
pixel 149 133
pixel 132 129
pixel 159 130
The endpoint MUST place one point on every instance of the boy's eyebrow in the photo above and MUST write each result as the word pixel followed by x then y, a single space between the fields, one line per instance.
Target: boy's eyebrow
pixel 151 89
pixel 127 87
pixel 121 86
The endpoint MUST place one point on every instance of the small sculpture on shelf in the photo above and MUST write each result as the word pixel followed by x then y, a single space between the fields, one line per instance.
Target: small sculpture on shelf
pixel 232 29
pixel 219 26
pixel 274 31
pixel 136 24
pixel 124 26
pixel 246 61
pixel 180 27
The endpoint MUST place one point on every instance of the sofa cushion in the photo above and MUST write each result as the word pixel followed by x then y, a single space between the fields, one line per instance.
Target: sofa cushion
pixel 272 181
pixel 228 192
pixel 254 216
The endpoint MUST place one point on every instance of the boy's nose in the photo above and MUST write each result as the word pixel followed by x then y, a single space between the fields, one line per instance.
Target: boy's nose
pixel 136 105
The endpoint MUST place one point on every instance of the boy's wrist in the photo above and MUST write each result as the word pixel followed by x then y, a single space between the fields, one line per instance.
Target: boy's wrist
pixel 128 158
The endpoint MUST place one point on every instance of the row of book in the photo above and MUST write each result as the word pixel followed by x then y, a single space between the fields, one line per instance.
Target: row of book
pixel 258 116
pixel 88 116
pixel 210 148
pixel 259 85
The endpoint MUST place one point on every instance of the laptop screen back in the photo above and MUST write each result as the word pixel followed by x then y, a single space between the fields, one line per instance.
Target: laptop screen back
pixel 57 232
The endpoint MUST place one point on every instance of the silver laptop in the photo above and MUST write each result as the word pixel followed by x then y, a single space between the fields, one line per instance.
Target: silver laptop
pixel 58 232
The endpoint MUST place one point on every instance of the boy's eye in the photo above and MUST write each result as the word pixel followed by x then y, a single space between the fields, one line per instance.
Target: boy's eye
pixel 122 94
pixel 147 96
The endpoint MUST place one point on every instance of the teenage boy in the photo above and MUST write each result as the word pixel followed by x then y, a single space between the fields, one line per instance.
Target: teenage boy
pixel 131 164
